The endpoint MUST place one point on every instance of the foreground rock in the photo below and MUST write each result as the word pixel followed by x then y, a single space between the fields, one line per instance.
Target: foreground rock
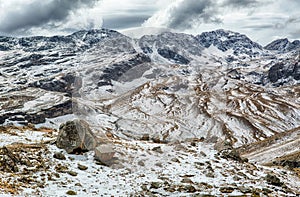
pixel 104 153
pixel 76 136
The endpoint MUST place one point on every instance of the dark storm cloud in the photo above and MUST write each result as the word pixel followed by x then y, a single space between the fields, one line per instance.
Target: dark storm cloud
pixel 39 13
pixel 240 3
pixel 121 22
pixel 187 12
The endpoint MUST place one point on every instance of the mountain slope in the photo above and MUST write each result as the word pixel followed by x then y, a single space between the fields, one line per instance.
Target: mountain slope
pixel 218 90
pixel 283 45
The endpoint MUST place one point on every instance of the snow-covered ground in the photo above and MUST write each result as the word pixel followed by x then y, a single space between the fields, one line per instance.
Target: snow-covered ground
pixel 140 169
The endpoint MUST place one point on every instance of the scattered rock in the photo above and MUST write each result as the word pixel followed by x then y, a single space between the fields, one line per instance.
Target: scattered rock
pixel 244 190
pixel 78 185
pixel 190 189
pixel 266 191
pixel 145 137
pixel 59 155
pixel 186 188
pixel 61 169
pixel 71 193
pixel 156 140
pixel 210 175
pixel 187 180
pixel 141 163
pixel 155 185
pixel 226 189
pixel 170 188
pixel 256 192
pixel 72 173
pixel 202 154
pixel 175 160
pixel 157 149
pixel 159 164
pixel 75 137
pixel 144 187
pixel 232 153
pixel 273 180
pixel 236 178
pixel 82 167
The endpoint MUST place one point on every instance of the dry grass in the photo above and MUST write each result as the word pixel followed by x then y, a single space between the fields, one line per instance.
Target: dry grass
pixel 246 149
pixel 12 130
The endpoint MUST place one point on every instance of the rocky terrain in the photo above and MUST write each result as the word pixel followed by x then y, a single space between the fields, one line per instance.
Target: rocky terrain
pixel 98 113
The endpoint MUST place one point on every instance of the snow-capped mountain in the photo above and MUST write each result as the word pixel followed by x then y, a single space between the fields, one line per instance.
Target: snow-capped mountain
pixel 283 45
pixel 77 41
pixel 228 40
pixel 218 86
pixel 104 64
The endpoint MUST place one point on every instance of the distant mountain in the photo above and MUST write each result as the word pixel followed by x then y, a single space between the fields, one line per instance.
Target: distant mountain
pixel 283 45
pixel 106 64
pixel 226 40
pixel 77 41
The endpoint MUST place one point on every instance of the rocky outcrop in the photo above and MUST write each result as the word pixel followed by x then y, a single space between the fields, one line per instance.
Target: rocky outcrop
pixel 76 136
pixel 39 115
pixel 282 71
pixel 171 55
pixel 63 84
pixel 52 112
pixel 115 71
pixel 273 180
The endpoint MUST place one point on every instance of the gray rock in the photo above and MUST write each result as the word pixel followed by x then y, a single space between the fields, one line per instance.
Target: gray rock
pixel 157 149
pixel 104 153
pixel 71 193
pixel 76 136
pixel 226 189
pixel 59 155
pixel 72 173
pixel 82 167
pixel 273 180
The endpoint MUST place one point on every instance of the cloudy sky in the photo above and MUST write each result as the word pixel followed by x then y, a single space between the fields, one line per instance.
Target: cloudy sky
pixel 262 20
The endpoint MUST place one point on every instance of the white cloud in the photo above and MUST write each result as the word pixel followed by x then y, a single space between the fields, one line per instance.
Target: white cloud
pixel 23 17
pixel 185 14
pixel 261 20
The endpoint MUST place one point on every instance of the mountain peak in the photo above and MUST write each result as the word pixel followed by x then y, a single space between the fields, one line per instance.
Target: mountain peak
pixel 225 40
pixel 283 45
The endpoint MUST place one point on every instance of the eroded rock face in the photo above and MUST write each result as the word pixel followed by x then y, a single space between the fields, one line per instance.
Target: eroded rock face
pixel 283 71
pixel 76 136
pixel 171 55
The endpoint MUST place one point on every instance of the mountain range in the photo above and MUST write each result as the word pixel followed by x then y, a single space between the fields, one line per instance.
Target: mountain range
pixel 218 86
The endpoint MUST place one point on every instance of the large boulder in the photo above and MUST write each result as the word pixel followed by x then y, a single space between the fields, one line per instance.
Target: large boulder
pixel 76 136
